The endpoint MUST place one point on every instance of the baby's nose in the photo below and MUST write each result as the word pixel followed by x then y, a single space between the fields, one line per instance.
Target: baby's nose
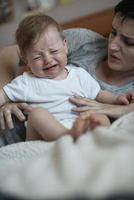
pixel 47 58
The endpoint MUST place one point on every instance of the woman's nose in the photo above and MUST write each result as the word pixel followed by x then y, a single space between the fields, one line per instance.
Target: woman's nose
pixel 115 44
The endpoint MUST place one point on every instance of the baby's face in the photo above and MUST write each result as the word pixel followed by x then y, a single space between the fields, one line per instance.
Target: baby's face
pixel 48 57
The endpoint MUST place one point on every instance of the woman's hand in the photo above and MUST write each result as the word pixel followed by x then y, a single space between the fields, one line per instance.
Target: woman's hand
pixel 17 109
pixel 86 106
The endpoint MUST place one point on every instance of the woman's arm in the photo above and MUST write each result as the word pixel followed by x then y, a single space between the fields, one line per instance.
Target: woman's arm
pixel 9 61
pixel 3 98
pixel 88 105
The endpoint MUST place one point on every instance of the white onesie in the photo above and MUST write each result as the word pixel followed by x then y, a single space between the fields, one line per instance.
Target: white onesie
pixel 53 94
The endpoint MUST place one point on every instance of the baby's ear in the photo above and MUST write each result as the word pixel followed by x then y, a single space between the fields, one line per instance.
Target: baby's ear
pixel 22 62
pixel 65 44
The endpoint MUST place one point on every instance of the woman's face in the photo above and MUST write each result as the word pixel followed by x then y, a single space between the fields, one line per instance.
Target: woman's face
pixel 121 45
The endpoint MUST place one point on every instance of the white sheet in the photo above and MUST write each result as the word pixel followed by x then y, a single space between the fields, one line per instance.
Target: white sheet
pixel 98 164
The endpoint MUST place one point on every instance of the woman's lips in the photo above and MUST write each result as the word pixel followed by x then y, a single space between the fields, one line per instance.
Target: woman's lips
pixel 114 58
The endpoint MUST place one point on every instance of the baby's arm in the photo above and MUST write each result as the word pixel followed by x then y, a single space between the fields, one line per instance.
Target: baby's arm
pixel 3 98
pixel 107 97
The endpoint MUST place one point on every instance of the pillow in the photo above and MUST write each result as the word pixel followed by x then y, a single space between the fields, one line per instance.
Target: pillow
pixel 85 47
pixel 77 37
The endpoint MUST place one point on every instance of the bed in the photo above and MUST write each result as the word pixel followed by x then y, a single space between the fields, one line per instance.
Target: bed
pixel 98 166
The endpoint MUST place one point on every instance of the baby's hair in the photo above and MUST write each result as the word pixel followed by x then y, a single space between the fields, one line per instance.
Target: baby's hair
pixel 30 29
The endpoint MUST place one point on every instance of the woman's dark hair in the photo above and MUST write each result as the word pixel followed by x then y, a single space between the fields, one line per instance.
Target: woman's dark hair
pixel 125 8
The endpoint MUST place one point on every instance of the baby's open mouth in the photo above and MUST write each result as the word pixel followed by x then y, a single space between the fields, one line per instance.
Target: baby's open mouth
pixel 50 67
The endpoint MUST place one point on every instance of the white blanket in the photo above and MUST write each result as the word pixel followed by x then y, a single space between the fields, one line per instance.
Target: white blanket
pixel 100 163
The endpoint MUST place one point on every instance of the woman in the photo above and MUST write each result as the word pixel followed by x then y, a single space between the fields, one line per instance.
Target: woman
pixel 115 74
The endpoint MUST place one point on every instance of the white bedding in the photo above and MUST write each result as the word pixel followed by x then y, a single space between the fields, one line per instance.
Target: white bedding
pixel 100 163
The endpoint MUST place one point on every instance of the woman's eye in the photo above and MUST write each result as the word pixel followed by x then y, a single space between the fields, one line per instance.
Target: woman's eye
pixel 129 43
pixel 113 32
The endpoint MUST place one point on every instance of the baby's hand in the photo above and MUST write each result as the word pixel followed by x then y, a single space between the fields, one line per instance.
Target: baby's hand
pixel 126 98
pixel 131 94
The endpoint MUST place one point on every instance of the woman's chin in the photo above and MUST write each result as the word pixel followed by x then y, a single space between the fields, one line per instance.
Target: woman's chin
pixel 114 64
pixel 114 60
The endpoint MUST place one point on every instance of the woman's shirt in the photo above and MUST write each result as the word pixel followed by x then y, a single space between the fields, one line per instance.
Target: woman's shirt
pixel 86 50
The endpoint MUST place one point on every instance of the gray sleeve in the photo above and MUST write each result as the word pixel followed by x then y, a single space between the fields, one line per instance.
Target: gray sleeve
pixel 14 135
